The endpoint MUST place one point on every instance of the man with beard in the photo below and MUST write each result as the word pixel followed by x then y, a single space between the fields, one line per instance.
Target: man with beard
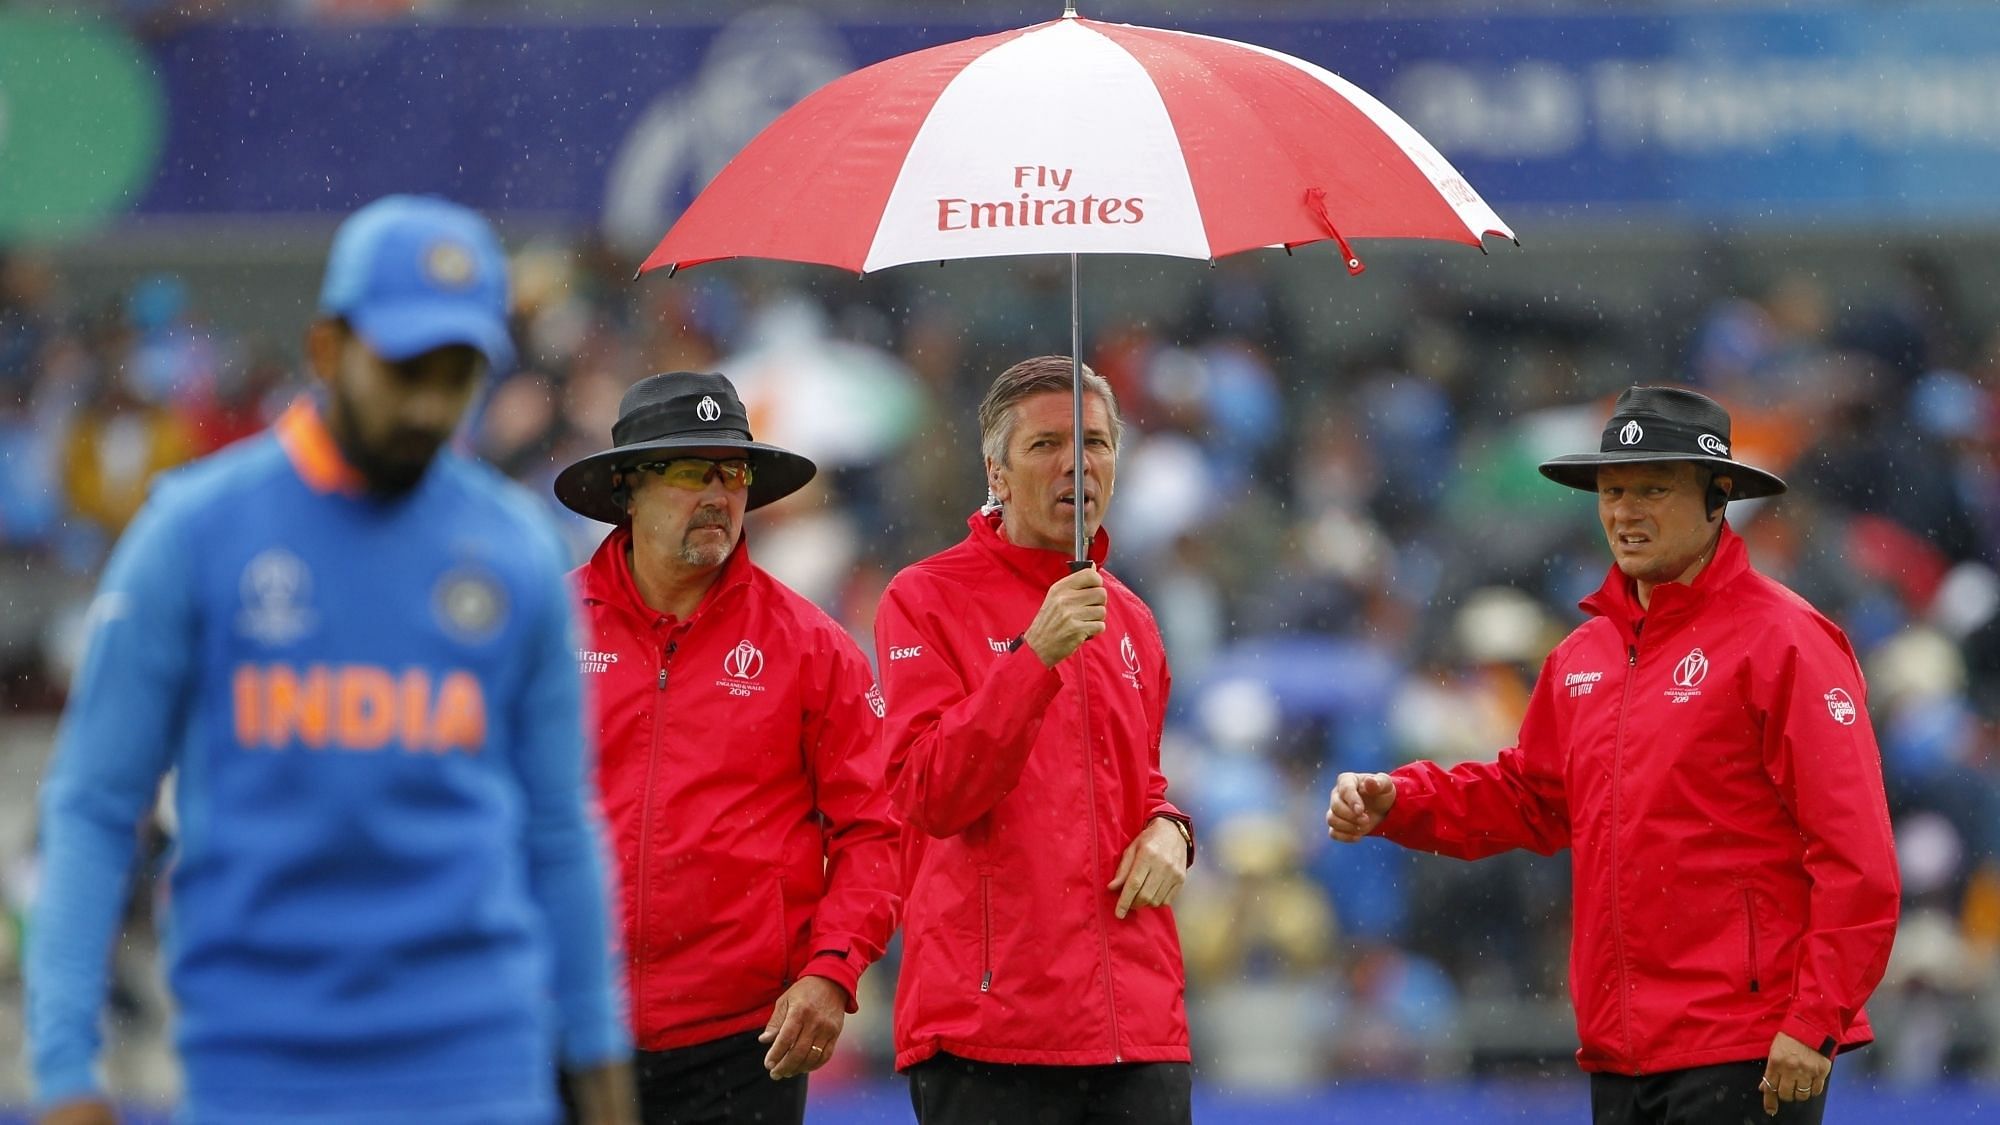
pixel 740 770
pixel 1701 746
pixel 352 648
pixel 1042 976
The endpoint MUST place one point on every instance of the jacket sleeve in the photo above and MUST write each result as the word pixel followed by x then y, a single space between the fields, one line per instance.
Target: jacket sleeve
pixel 1157 804
pixel 118 737
pixel 856 915
pixel 953 751
pixel 1478 809
pixel 564 838
pixel 1820 752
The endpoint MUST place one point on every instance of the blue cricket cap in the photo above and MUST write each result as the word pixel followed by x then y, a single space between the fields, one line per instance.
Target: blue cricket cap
pixel 412 273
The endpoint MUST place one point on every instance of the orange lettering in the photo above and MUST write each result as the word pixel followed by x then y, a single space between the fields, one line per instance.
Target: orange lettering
pixel 296 710
pixel 367 707
pixel 459 722
pixel 248 687
pixel 416 706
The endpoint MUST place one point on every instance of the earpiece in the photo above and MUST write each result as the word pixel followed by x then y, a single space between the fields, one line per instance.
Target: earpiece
pixel 1717 496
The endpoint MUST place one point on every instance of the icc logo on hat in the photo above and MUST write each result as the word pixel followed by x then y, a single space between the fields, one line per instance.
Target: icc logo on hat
pixel 1631 434
pixel 707 410
pixel 450 264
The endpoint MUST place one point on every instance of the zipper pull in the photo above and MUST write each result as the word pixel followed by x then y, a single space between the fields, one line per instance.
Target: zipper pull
pixel 663 679
pixel 986 982
pixel 1631 658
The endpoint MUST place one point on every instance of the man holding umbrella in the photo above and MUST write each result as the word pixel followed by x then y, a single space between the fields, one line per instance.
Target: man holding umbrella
pixel 1702 747
pixel 739 764
pixel 1042 976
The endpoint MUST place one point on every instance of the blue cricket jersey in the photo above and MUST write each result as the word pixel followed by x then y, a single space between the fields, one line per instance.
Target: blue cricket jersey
pixel 387 898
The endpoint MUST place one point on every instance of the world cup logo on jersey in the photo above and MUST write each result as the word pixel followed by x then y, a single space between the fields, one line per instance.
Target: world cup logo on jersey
pixel 1129 653
pixel 744 662
pixel 277 598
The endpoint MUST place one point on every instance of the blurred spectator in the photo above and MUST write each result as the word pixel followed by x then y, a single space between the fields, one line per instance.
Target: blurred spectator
pixel 117 442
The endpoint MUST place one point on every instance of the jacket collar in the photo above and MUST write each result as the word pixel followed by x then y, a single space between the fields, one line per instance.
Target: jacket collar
pixel 1035 564
pixel 607 577
pixel 1617 600
pixel 315 456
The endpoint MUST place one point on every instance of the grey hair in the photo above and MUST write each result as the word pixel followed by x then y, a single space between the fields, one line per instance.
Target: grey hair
pixel 1024 380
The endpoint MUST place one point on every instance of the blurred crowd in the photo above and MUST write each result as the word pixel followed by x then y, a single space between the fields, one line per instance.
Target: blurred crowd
pixel 1351 556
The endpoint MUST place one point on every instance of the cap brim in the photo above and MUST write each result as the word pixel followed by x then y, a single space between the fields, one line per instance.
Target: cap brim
pixel 1579 470
pixel 408 329
pixel 585 487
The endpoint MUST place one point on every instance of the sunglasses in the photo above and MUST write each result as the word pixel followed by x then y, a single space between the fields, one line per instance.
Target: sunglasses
pixel 694 473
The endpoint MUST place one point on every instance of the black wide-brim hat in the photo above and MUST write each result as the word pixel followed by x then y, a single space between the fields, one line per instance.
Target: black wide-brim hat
pixel 1664 424
pixel 662 415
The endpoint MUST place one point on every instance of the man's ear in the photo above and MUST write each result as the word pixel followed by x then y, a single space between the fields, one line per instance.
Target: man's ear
pixel 994 483
pixel 324 339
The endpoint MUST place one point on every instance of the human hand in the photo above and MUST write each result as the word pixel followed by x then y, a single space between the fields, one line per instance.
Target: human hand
pixel 1794 1073
pixel 804 1027
pixel 1153 868
pixel 82 1111
pixel 1358 804
pixel 605 1095
pixel 1072 613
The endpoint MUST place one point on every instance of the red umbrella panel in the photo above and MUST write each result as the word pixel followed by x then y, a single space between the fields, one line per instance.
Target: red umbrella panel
pixel 1077 137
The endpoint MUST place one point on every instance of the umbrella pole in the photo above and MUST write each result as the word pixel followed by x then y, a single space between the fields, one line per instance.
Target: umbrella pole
pixel 1076 399
pixel 1076 467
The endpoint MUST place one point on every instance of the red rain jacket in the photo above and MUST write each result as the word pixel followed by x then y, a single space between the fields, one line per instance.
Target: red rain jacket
pixel 1011 952
pixel 741 769
pixel 1716 780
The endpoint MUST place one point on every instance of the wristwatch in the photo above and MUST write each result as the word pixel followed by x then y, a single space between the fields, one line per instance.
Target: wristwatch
pixel 1187 834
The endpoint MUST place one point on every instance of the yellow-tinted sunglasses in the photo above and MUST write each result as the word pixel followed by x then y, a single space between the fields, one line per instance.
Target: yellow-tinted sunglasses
pixel 694 473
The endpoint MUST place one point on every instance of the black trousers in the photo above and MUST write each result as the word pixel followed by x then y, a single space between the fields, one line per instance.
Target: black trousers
pixel 1701 1095
pixel 948 1090
pixel 721 1082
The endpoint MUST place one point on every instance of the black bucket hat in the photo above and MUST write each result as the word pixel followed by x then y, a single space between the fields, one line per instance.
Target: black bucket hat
pixel 1664 424
pixel 663 414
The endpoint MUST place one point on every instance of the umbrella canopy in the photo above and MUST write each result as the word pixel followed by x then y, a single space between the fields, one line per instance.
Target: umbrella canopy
pixel 1071 137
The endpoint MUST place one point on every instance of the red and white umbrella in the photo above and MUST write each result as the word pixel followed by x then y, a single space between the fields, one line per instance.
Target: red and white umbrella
pixel 1075 136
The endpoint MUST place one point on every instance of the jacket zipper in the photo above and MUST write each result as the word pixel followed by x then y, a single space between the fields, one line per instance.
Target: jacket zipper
pixel 1750 929
pixel 640 927
pixel 1617 915
pixel 1097 858
pixel 986 933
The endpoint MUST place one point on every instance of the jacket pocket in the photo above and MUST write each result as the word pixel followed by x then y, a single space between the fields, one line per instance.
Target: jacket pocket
pixel 985 932
pixel 1750 938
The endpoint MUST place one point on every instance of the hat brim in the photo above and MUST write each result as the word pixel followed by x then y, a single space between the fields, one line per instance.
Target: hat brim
pixel 585 487
pixel 408 329
pixel 1579 470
